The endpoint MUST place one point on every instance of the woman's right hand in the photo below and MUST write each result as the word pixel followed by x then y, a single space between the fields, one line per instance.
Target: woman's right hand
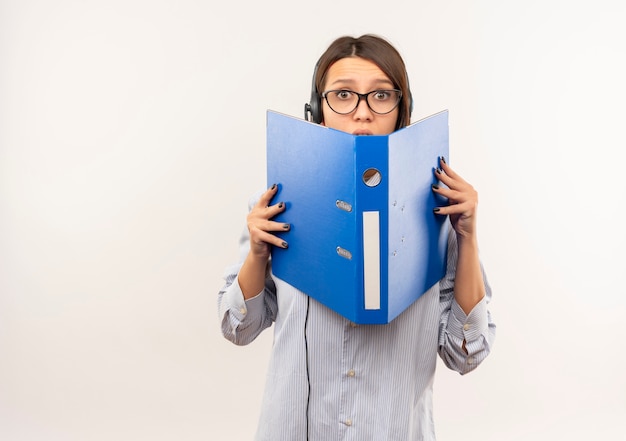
pixel 261 225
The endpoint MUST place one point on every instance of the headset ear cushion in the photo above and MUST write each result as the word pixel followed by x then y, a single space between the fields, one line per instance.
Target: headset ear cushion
pixel 316 111
pixel 410 97
pixel 312 111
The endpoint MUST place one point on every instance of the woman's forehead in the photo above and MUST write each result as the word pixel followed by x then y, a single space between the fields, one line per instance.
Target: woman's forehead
pixel 355 71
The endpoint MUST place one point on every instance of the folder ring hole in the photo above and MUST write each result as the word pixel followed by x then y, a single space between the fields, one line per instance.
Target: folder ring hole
pixel 343 205
pixel 344 253
pixel 372 177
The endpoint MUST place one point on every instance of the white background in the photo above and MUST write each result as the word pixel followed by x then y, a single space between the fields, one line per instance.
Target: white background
pixel 132 135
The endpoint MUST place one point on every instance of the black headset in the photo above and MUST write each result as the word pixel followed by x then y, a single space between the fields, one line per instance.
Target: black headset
pixel 313 109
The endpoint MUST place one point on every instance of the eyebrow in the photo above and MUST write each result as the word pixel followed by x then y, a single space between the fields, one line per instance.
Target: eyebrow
pixel 349 82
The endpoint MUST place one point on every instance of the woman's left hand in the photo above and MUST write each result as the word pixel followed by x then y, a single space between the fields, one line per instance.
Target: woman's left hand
pixel 462 198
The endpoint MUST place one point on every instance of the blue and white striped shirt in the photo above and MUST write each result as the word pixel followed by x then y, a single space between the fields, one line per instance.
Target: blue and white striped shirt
pixel 343 381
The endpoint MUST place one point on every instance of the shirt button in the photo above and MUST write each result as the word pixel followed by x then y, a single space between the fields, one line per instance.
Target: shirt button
pixel 351 373
pixel 243 311
pixel 466 327
pixel 470 360
pixel 348 422
pixel 353 325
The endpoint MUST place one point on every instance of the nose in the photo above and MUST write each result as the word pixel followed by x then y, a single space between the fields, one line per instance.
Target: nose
pixel 362 111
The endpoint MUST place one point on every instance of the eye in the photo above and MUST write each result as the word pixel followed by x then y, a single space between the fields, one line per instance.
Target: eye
pixel 382 95
pixel 344 95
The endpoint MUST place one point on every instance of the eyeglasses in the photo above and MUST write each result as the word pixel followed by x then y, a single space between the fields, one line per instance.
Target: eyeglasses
pixel 345 101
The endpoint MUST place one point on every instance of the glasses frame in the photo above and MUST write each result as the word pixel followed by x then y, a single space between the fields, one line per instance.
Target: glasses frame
pixel 359 97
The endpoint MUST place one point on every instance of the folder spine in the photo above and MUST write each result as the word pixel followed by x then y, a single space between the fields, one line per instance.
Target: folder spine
pixel 372 189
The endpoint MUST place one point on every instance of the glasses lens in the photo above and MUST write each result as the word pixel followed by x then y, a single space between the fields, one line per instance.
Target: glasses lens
pixel 342 101
pixel 379 101
pixel 383 101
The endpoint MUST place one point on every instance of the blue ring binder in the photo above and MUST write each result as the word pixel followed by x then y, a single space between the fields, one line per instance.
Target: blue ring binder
pixel 340 226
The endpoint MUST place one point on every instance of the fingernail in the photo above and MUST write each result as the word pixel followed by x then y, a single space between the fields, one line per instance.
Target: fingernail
pixel 438 171
pixel 435 187
pixel 280 205
pixel 273 187
pixel 436 209
pixel 286 226
pixel 443 160
pixel 284 244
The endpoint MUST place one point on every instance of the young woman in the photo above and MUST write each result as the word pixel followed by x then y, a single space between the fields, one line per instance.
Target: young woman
pixel 330 379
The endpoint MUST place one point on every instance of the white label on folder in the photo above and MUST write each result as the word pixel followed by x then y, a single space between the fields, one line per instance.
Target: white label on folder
pixel 371 259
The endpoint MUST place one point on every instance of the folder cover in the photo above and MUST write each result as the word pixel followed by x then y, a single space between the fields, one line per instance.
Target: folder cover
pixel 364 240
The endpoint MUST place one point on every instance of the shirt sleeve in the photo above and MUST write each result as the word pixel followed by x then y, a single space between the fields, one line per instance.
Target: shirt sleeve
pixel 476 329
pixel 243 320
